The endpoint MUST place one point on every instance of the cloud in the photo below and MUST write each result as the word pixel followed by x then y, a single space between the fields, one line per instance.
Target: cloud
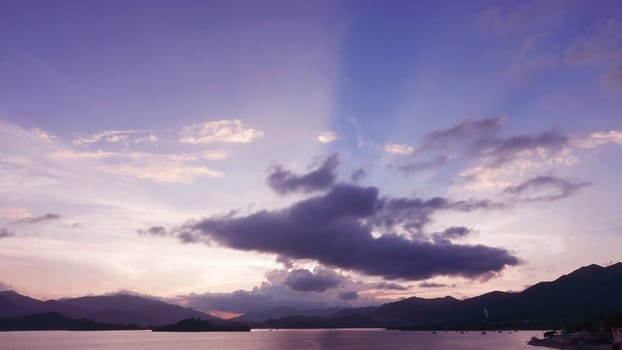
pixel 317 281
pixel 44 135
pixel 600 138
pixel 215 155
pixel 401 149
pixel 612 77
pixel 38 219
pixel 427 284
pixel 326 137
pixel 335 229
pixel 466 130
pixel 601 44
pixel 219 131
pixel 4 233
pixel 520 18
pixel 544 189
pixel 358 174
pixel 495 161
pixel 168 168
pixel 284 181
pixel 153 231
pixel 349 295
pixel 391 286
pixel 449 233
pixel 416 167
pixel 14 213
pixel 116 136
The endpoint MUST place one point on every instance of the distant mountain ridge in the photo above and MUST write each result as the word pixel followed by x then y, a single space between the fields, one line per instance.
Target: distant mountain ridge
pixel 120 308
pixel 582 295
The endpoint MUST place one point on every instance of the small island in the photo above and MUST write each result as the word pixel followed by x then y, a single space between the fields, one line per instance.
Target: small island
pixel 198 325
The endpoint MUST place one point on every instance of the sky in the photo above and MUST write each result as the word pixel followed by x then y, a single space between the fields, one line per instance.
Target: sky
pixel 238 155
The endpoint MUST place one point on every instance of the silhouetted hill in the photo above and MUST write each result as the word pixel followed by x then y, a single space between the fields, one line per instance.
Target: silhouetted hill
pixel 134 309
pixel 582 295
pixel 121 308
pixel 56 321
pixel 197 325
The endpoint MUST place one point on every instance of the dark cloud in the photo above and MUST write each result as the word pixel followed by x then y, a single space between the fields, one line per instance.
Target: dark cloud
pixel 284 181
pixel 544 189
pixel 335 229
pixel 349 295
pixel 286 261
pixel 391 286
pixel 415 213
pixel 432 285
pixel 5 233
pixel 38 219
pixel 449 233
pixel 317 281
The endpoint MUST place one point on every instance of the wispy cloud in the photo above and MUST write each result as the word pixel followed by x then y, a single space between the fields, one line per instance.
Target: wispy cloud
pixel 491 161
pixel 117 136
pixel 215 155
pixel 14 213
pixel 220 131
pixel 180 168
pixel 600 138
pixel 38 219
pixel 44 135
pixel 401 149
pixel 544 189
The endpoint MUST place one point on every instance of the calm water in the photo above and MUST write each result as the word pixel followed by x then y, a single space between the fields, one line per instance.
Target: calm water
pixel 261 339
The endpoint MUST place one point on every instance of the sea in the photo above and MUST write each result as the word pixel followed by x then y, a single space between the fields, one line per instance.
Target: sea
pixel 360 339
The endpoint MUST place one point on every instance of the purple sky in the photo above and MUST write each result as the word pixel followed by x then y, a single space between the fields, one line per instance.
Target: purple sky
pixel 241 154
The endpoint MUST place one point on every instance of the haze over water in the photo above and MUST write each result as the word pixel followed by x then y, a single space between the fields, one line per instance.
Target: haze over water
pixel 264 339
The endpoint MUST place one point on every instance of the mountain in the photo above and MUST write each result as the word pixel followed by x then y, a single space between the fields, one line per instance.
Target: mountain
pixel 134 309
pixel 56 321
pixel 580 296
pixel 121 308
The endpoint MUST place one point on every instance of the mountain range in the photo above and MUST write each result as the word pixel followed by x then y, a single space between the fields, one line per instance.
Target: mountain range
pixel 586 295
pixel 111 309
